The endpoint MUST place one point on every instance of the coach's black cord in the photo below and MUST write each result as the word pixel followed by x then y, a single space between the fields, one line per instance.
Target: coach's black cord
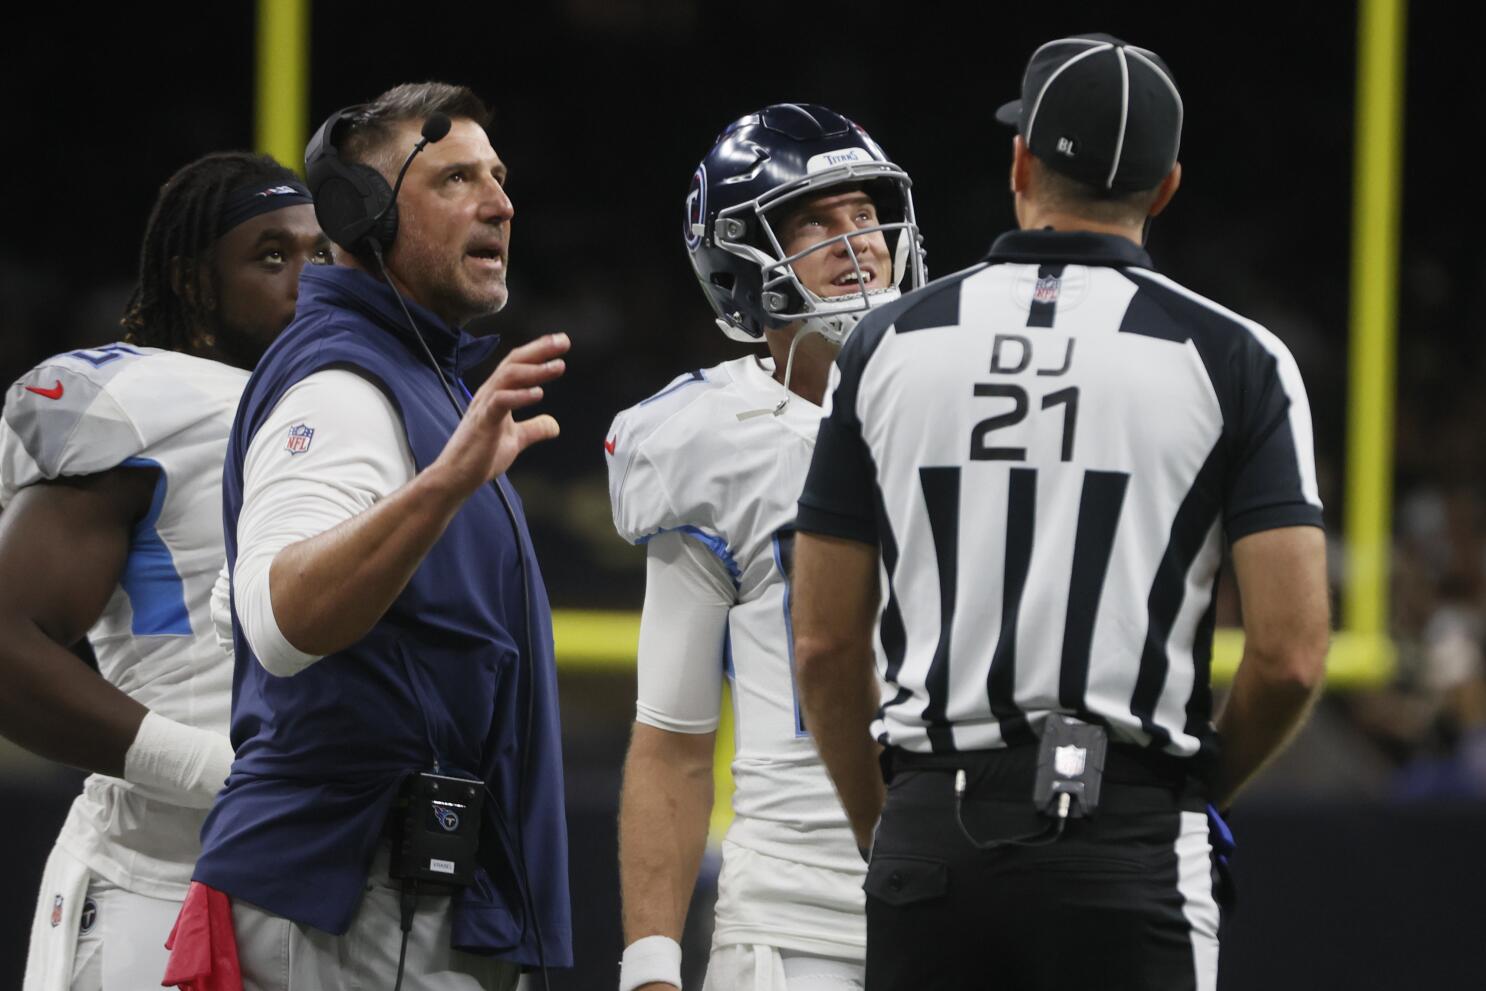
pixel 408 903
pixel 518 849
pixel 1048 835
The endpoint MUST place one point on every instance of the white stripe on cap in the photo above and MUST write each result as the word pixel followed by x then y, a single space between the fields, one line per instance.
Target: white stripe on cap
pixel 1148 58
pixel 1102 46
pixel 1124 116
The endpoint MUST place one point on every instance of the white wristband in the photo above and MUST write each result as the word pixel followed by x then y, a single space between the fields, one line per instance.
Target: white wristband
pixel 654 959
pixel 181 764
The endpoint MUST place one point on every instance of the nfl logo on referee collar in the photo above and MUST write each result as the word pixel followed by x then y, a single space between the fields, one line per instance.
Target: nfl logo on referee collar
pixel 1069 761
pixel 300 436
pixel 1046 290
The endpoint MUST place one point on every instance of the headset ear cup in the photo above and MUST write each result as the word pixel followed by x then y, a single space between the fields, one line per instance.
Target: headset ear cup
pixel 386 229
pixel 348 199
pixel 339 206
pixel 377 196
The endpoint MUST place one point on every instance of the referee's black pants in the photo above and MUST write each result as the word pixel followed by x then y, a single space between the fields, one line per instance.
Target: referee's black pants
pixel 1120 901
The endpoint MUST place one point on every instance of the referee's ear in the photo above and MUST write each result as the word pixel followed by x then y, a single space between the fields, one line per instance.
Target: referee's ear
pixel 1167 189
pixel 1021 165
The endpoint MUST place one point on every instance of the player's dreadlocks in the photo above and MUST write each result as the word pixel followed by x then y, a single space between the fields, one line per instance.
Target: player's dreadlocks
pixel 168 308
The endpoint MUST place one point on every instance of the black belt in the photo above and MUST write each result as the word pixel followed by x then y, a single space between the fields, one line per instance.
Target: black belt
pixel 1011 770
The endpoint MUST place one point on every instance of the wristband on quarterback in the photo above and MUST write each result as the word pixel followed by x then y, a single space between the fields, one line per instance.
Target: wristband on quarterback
pixel 650 960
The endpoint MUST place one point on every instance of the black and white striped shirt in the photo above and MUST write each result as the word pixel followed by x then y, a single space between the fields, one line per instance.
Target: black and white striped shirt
pixel 1048 449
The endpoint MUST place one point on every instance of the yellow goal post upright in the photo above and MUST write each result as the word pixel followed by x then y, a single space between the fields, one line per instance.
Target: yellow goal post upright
pixel 282 85
pixel 1362 652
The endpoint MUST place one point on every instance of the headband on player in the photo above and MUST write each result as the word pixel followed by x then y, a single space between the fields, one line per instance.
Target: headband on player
pixel 261 196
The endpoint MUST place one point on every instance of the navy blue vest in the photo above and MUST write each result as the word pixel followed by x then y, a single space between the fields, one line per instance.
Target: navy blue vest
pixel 442 679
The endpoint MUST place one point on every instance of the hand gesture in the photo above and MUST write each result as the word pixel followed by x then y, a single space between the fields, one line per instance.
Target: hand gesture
pixel 488 439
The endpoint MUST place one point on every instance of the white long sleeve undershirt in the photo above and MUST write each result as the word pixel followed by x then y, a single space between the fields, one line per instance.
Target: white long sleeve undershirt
pixel 683 627
pixel 357 455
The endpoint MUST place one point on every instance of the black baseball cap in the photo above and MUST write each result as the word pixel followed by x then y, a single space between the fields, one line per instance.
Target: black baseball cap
pixel 1100 111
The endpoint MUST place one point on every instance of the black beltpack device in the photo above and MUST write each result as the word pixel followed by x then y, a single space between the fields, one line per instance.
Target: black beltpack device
pixel 1070 767
pixel 436 829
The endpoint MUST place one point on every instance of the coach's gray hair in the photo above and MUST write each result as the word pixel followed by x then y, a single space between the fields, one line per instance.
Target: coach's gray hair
pixel 372 128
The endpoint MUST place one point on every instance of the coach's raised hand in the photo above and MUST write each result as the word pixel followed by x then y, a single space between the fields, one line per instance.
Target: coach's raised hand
pixel 330 589
pixel 489 438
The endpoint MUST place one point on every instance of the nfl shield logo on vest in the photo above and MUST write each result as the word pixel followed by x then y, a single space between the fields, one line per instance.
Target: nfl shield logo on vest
pixel 1069 761
pixel 300 436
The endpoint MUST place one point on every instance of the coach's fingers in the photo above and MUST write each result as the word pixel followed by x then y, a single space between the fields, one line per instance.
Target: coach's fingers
pixel 498 403
pixel 527 373
pixel 535 430
pixel 542 349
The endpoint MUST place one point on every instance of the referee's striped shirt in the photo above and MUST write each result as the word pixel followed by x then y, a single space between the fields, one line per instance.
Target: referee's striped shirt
pixel 1048 448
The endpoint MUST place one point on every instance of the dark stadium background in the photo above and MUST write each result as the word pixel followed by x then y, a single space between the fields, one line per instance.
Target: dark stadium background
pixel 1360 861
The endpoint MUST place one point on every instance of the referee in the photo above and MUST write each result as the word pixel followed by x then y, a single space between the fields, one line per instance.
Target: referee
pixel 1045 454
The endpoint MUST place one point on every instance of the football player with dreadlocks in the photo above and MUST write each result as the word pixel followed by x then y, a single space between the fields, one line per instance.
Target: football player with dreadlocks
pixel 796 225
pixel 110 478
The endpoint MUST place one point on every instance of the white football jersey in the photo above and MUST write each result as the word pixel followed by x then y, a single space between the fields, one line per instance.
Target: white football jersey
pixel 706 456
pixel 90 411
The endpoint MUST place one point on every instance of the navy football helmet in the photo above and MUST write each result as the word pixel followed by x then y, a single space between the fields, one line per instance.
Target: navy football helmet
pixel 763 161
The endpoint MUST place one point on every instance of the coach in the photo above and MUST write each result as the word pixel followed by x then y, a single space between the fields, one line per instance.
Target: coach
pixel 1044 453
pixel 389 616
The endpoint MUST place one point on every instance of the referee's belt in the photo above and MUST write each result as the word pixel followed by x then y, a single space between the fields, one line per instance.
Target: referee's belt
pixel 1008 773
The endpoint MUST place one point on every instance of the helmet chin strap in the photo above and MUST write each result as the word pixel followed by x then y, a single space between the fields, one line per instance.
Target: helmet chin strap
pixel 834 327
pixel 807 327
pixel 823 326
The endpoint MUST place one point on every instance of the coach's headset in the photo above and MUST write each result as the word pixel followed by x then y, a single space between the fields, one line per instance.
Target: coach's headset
pixel 353 203
pixel 358 211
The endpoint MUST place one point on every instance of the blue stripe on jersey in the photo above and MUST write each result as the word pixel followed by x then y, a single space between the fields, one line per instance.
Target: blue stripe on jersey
pixel 694 377
pixel 156 594
pixel 784 560
pixel 713 543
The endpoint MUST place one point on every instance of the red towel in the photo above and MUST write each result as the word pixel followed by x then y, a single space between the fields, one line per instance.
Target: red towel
pixel 202 945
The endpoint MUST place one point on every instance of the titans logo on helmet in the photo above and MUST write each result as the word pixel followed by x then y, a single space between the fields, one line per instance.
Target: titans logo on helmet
pixel 696 209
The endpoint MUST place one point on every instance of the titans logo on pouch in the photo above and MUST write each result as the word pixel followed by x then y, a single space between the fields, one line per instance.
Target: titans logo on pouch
pixel 447 818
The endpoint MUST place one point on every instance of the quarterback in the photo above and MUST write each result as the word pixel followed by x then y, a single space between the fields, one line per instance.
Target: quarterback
pixel 110 478
pixel 796 224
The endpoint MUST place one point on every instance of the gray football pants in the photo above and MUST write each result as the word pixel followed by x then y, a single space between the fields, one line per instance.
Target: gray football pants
pixel 279 955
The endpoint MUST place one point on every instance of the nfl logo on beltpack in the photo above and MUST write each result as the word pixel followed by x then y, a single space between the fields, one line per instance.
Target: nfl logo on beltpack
pixel 1069 761
pixel 300 436
pixel 1046 290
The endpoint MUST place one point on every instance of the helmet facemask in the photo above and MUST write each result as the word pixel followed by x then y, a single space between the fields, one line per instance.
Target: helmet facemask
pixel 747 231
